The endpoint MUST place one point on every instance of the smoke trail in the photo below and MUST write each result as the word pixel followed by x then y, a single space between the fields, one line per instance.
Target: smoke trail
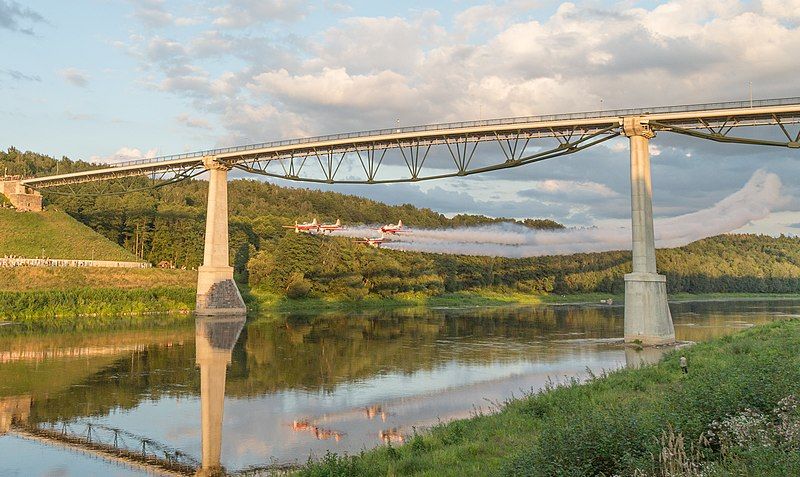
pixel 759 196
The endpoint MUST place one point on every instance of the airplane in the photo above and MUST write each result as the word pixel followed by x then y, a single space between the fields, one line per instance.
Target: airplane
pixel 393 229
pixel 331 227
pixel 307 227
pixel 373 241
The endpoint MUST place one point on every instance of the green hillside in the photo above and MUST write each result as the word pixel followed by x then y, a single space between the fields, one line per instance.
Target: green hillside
pixel 54 234
pixel 300 265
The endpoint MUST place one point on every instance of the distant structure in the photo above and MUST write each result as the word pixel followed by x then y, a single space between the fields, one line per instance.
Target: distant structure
pixel 24 199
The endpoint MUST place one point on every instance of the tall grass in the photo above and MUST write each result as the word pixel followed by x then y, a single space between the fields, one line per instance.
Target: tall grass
pixel 91 307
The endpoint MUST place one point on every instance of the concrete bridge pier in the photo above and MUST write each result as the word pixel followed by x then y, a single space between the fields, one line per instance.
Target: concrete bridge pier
pixel 647 316
pixel 217 293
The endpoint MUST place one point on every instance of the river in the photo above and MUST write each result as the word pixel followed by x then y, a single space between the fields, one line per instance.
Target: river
pixel 296 386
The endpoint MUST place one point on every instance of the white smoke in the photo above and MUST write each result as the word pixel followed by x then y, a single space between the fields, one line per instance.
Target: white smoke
pixel 759 196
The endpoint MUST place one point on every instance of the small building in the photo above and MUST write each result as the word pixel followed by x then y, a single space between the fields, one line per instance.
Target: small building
pixel 22 198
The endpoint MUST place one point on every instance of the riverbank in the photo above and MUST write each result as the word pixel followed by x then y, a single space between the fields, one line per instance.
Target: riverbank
pixel 94 298
pixel 63 298
pixel 621 422
pixel 477 298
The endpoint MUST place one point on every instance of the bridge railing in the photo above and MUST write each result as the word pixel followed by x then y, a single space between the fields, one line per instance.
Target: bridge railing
pixel 613 113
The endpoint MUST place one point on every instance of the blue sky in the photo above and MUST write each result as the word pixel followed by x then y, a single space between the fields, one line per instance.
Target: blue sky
pixel 110 79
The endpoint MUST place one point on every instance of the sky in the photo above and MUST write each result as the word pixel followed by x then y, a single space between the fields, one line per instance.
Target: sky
pixel 107 80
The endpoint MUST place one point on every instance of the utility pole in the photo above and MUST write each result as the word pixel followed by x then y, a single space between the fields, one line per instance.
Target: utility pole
pixel 750 84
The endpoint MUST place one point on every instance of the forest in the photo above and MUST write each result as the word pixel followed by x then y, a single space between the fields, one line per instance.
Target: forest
pixel 167 225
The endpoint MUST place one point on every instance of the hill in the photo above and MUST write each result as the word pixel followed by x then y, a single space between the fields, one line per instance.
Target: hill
pixel 54 234
pixel 303 265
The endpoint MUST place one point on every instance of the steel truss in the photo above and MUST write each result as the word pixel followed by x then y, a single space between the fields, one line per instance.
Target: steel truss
pixel 126 183
pixel 439 151
pixel 719 129
pixel 415 154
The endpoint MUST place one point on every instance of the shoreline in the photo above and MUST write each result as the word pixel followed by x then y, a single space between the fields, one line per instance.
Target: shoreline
pixel 85 308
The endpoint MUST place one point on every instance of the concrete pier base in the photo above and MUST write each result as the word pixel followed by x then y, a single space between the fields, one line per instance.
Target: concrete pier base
pixel 647 316
pixel 217 293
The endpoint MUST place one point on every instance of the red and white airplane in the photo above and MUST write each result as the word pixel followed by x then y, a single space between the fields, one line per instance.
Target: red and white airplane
pixel 393 229
pixel 373 241
pixel 331 227
pixel 307 227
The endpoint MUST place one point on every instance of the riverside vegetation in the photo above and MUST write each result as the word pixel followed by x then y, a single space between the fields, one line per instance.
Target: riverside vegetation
pixel 735 413
pixel 291 270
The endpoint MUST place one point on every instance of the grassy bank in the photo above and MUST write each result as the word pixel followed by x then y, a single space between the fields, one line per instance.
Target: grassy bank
pixel 54 234
pixel 81 298
pixel 616 424
pixel 22 279
pixel 271 301
pixel 85 308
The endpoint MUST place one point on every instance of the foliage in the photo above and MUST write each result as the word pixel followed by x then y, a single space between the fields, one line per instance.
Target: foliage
pixel 337 267
pixel 90 307
pixel 168 223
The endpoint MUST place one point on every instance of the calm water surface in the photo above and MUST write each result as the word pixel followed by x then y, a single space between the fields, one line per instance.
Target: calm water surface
pixel 297 386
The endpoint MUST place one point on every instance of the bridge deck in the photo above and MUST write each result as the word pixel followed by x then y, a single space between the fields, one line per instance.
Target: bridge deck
pixel 687 117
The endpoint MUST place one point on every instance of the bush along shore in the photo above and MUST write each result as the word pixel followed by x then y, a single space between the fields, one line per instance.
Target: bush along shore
pixel 735 413
pixel 82 308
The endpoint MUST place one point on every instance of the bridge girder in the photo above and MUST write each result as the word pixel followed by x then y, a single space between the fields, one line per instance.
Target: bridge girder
pixel 413 147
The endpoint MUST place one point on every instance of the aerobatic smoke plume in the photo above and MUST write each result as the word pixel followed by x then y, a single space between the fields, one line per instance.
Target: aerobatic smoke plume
pixel 759 196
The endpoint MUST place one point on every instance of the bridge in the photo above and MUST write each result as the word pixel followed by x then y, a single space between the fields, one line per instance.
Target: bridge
pixel 437 151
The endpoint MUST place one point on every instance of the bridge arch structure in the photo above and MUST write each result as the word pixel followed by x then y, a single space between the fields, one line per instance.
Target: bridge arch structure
pixel 437 151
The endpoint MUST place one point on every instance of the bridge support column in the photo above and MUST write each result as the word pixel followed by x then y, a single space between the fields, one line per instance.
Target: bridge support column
pixel 647 316
pixel 217 293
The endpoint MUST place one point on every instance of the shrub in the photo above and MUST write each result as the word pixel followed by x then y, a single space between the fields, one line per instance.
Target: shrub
pixel 298 286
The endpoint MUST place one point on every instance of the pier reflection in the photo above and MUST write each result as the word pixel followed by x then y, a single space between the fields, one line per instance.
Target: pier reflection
pixel 215 338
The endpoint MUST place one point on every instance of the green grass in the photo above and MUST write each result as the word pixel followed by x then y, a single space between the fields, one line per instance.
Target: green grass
pixel 475 298
pixel 272 301
pixel 56 235
pixel 610 425
pixel 86 308
pixel 22 279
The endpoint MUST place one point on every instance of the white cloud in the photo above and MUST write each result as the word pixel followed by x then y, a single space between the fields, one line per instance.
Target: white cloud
pixel 75 77
pixel 242 13
pixel 193 122
pixel 125 154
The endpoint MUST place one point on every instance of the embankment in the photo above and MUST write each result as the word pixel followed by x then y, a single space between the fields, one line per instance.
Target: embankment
pixel 67 298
